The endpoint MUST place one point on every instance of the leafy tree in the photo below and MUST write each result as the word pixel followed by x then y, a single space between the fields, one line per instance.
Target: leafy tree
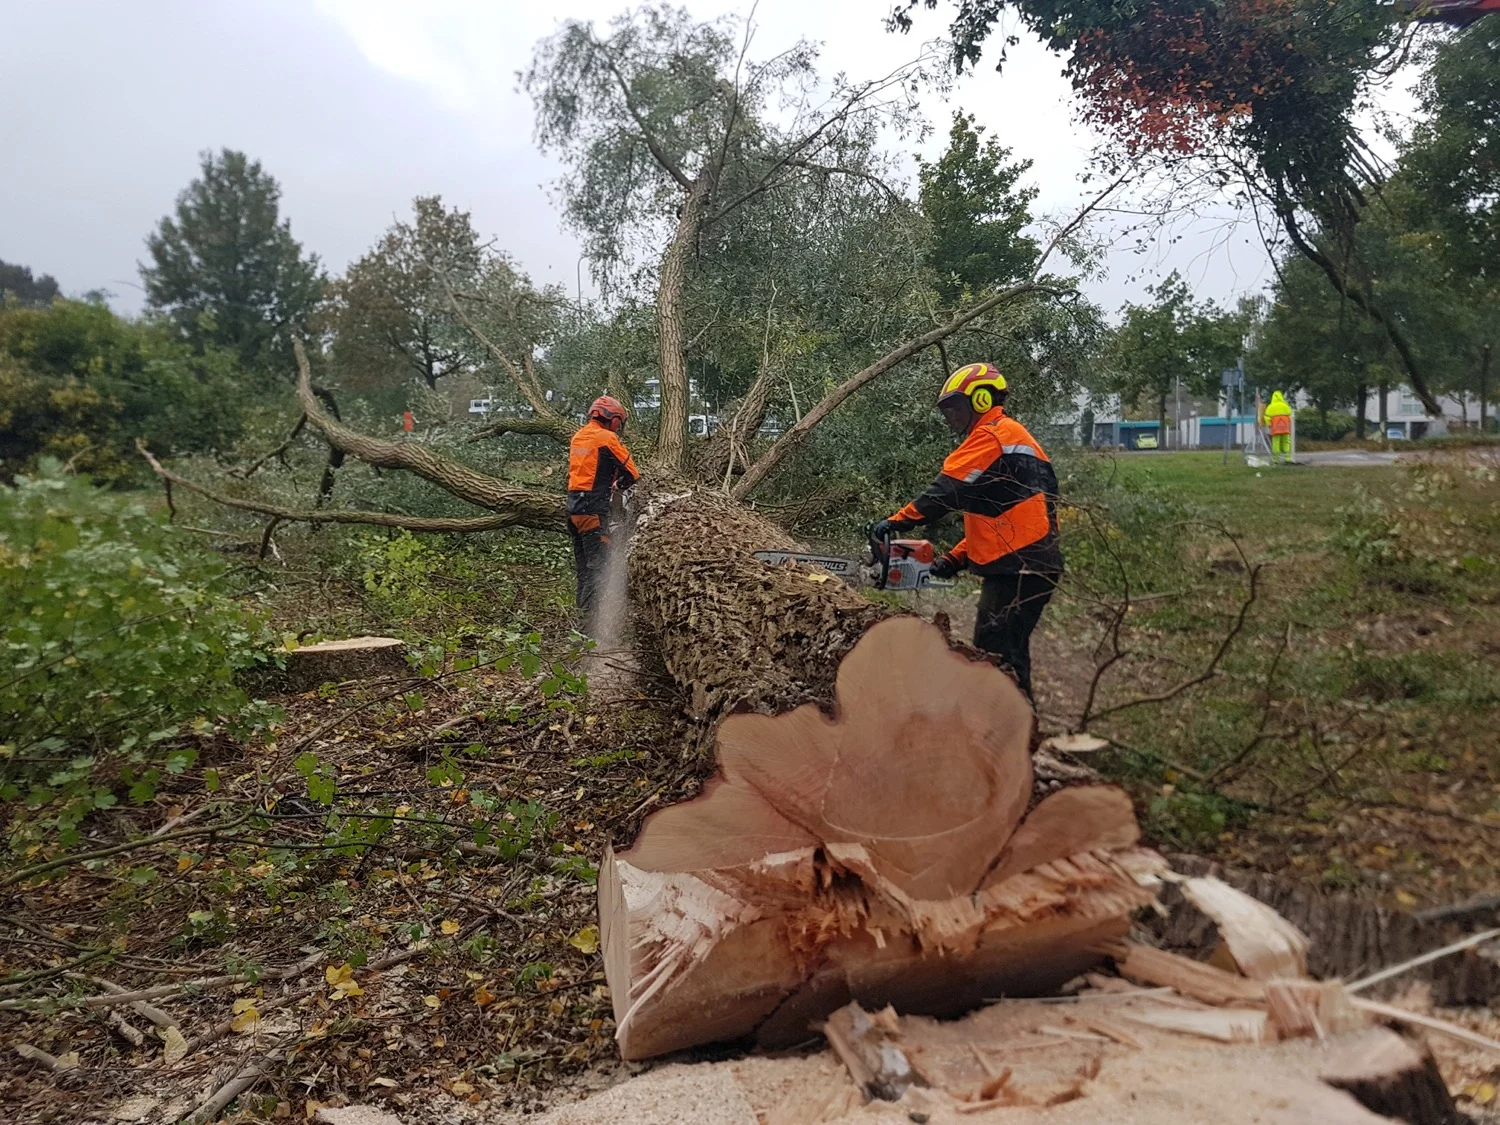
pixel 393 317
pixel 80 384
pixel 226 269
pixel 1311 340
pixel 970 197
pixel 1453 155
pixel 1260 91
pixel 668 128
pixel 17 284
pixel 1174 341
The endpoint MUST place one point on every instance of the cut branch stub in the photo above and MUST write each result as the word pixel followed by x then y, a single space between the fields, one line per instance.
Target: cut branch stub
pixel 878 855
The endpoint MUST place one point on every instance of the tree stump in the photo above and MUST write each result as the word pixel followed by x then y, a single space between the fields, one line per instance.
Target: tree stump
pixel 353 658
pixel 1395 1077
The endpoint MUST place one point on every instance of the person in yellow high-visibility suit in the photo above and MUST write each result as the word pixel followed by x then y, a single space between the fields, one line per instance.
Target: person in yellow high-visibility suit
pixel 1279 421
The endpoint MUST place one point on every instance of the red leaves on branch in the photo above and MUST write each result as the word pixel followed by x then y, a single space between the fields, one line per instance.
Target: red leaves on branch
pixel 1171 77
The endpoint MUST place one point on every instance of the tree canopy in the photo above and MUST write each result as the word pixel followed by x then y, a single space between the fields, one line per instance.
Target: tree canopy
pixel 225 268
pixel 17 284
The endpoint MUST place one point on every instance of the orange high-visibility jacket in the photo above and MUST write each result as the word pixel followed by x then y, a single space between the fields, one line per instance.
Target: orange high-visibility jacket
pixel 1003 482
pixel 598 463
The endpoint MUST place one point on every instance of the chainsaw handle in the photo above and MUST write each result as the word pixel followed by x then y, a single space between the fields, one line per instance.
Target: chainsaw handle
pixel 880 550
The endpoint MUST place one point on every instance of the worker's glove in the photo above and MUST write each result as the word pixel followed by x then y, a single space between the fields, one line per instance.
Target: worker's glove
pixel 946 567
pixel 883 530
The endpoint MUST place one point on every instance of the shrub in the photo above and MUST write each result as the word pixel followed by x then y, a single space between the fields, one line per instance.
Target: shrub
pixel 121 643
pixel 1314 425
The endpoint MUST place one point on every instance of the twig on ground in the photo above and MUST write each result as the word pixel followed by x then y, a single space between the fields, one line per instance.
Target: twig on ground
pixel 247 1076
pixel 52 1062
pixel 36 869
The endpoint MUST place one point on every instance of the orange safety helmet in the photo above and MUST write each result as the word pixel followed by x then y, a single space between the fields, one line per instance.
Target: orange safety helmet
pixel 608 410
pixel 980 383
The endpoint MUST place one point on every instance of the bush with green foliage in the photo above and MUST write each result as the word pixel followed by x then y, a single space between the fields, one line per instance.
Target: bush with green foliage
pixel 80 384
pixel 1322 425
pixel 122 643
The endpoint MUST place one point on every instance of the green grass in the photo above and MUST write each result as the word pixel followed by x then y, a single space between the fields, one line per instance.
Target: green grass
pixel 1273 505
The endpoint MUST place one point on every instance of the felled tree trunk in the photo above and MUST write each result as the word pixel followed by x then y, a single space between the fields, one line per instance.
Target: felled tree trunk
pixel 866 837
pixel 732 631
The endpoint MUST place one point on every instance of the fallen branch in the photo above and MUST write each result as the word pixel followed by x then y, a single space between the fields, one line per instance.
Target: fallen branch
pixel 792 439
pixel 456 524
pixel 246 473
pixel 53 1063
pixel 521 506
pixel 247 1076
pixel 1210 669
pixel 125 1029
pixel 36 869
pixel 1484 904
pixel 1431 1023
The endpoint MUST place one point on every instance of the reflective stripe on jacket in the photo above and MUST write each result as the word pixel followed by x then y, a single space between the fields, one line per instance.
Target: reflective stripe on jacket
pixel 1003 482
pixel 598 463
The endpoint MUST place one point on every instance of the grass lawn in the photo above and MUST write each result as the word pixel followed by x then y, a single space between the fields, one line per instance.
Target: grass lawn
pixel 1351 732
pixel 1273 504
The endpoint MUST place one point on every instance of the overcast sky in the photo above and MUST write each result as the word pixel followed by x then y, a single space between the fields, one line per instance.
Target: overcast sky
pixel 356 106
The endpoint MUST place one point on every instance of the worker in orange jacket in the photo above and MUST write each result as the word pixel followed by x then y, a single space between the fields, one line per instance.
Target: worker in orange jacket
pixel 599 465
pixel 1002 481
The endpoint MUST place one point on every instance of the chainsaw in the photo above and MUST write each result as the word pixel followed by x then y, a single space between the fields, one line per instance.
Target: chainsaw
pixel 887 564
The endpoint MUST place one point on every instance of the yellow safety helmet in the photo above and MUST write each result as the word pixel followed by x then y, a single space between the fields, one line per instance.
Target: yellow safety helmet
pixel 977 382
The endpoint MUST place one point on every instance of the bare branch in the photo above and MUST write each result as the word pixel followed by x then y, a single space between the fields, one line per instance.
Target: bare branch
pixel 547 422
pixel 1209 671
pixel 1340 281
pixel 544 427
pixel 515 505
pixel 278 513
pixel 279 451
pixel 794 437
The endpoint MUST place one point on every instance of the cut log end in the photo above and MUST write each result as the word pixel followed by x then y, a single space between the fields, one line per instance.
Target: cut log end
pixel 1393 1076
pixel 338 661
pixel 879 854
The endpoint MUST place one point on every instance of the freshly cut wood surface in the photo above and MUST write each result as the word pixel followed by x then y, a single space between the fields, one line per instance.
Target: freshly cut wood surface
pixel 876 854
pixel 1263 943
pixel 336 661
pixel 1195 979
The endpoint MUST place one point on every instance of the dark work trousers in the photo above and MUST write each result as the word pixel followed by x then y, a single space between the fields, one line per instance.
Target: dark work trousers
pixel 1010 605
pixel 590 550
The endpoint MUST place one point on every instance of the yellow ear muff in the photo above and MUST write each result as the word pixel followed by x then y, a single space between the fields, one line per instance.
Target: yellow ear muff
pixel 982 399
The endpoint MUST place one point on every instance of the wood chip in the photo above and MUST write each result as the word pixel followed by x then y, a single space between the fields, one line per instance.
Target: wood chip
pixel 1263 943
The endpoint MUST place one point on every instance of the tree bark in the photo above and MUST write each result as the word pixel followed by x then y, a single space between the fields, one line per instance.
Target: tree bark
pixel 672 329
pixel 727 448
pixel 534 509
pixel 1384 391
pixel 733 631
pixel 1484 387
pixel 1362 395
